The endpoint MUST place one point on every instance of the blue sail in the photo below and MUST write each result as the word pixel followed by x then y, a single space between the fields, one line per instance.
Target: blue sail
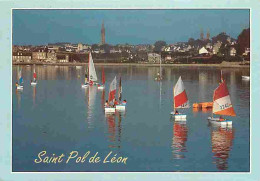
pixel 21 80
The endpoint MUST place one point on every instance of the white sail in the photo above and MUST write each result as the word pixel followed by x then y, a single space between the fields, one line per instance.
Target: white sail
pixel 92 71
pixel 180 96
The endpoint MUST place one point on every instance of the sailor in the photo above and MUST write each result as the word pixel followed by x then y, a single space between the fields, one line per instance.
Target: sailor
pixel 221 118
pixel 106 104
pixel 16 84
pixel 124 102
pixel 115 102
pixel 90 82
pixel 176 112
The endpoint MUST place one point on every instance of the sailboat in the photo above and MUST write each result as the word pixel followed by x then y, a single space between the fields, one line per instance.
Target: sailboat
pixel 122 105
pixel 102 86
pixel 222 105
pixel 90 74
pixel 180 100
pixel 159 74
pixel 111 97
pixel 19 85
pixel 34 82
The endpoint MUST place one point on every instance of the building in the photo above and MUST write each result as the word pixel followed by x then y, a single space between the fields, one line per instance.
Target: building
pixel 103 41
pixel 63 58
pixel 154 58
pixel 51 56
pixel 39 54
pixel 208 35
pixel 203 50
pixel 80 47
pixel 22 57
pixel 232 51
pixel 216 47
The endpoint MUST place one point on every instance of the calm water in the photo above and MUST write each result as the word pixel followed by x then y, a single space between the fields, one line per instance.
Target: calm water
pixel 58 116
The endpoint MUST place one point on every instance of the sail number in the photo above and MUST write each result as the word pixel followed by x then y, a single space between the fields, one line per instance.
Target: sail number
pixel 225 106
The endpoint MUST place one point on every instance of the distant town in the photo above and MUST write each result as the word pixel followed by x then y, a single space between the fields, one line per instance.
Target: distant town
pixel 205 50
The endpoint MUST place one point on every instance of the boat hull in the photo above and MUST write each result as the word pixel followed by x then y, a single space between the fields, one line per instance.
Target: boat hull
pixel 19 87
pixel 218 122
pixel 245 77
pixel 101 87
pixel 33 83
pixel 120 107
pixel 84 85
pixel 179 117
pixel 110 110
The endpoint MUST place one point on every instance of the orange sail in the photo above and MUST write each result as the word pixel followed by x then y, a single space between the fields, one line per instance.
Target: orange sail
pixel 221 101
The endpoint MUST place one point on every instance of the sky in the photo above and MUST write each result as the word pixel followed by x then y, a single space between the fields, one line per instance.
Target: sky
pixel 40 27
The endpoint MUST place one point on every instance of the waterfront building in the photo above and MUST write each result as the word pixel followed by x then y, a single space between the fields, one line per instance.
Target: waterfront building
pixel 22 57
pixel 39 54
pixel 154 58
pixel 216 47
pixel 203 50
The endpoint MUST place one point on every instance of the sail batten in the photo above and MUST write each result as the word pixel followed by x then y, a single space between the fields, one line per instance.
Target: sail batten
pixel 180 96
pixel 222 102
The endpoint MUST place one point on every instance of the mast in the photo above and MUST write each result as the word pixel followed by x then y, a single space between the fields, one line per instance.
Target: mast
pixel 160 67
pixel 120 90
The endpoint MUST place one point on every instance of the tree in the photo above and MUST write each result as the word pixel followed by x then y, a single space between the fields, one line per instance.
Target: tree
pixel 158 45
pixel 243 41
pixel 94 46
pixel 222 37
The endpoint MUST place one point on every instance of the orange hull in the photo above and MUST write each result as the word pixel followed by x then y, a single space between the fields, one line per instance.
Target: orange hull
pixel 203 105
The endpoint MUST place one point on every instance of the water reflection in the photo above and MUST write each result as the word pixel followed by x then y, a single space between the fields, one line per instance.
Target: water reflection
pixel 34 94
pixel 114 129
pixel 221 139
pixel 90 94
pixel 180 134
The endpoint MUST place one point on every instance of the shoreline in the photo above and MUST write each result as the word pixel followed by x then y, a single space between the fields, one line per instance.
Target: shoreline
pixel 222 65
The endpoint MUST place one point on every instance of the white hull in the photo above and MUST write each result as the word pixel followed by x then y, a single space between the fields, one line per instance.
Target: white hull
pixel 221 123
pixel 120 107
pixel 110 110
pixel 245 77
pixel 101 87
pixel 78 67
pixel 33 83
pixel 179 117
pixel 84 85
pixel 19 87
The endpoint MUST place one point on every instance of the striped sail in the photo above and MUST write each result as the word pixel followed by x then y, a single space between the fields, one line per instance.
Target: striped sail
pixel 91 69
pixel 112 91
pixel 34 74
pixel 180 96
pixel 221 101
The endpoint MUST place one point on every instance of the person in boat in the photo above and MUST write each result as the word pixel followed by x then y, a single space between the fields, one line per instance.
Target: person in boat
pixel 16 84
pixel 115 103
pixel 91 82
pixel 106 103
pixel 176 112
pixel 221 118
pixel 124 102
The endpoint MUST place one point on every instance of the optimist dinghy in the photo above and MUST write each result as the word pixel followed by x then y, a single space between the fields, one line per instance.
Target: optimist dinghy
pixel 34 82
pixel 20 86
pixel 180 100
pixel 122 105
pixel 222 105
pixel 111 97
pixel 90 73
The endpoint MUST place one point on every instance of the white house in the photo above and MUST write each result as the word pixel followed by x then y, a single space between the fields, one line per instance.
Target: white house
pixel 203 50
pixel 232 51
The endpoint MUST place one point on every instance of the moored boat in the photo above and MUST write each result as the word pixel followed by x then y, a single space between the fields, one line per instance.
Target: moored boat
pixel 19 85
pixel 246 77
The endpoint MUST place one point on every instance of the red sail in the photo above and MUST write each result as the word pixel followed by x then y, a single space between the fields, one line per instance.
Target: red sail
pixel 222 102
pixel 112 91
pixel 34 75
pixel 103 77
